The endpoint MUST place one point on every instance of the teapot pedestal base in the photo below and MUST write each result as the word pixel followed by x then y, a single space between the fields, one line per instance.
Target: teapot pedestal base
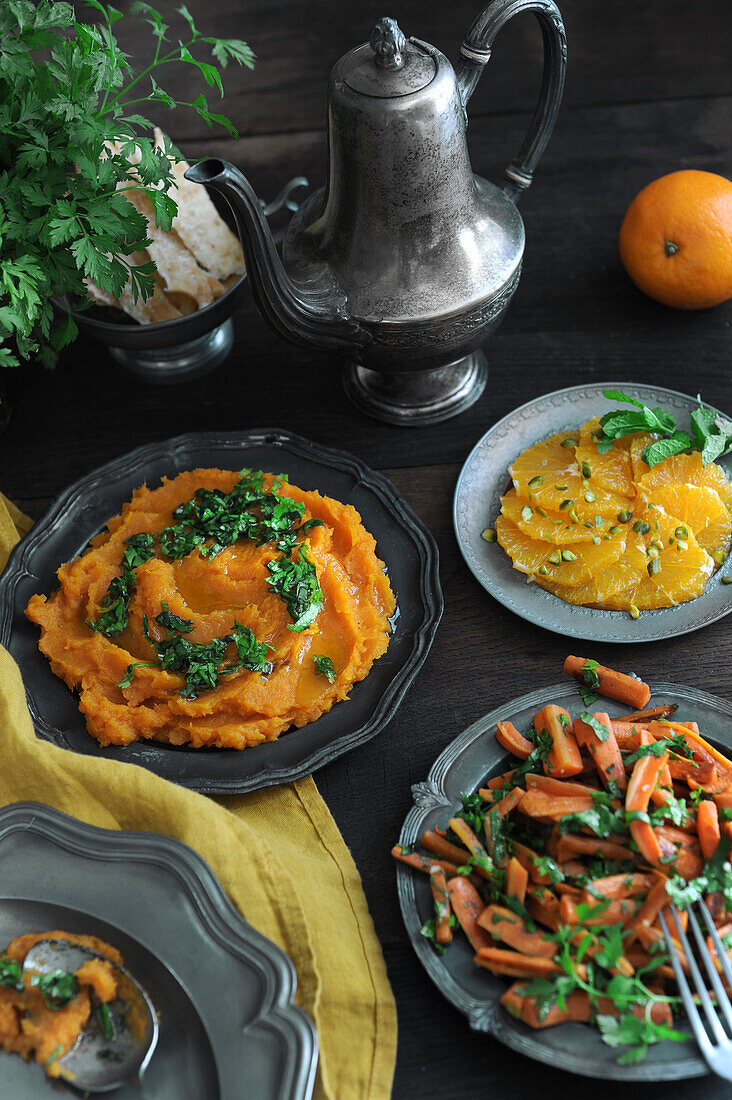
pixel 416 397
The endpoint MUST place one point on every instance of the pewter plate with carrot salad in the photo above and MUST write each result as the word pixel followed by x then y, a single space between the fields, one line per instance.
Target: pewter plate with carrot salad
pixel 543 849
pixel 603 512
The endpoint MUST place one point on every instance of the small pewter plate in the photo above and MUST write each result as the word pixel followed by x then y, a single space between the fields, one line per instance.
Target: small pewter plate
pixel 229 1028
pixel 483 481
pixel 461 768
pixel 402 542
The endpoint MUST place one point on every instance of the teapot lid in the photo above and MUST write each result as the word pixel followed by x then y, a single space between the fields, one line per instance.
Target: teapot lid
pixel 389 65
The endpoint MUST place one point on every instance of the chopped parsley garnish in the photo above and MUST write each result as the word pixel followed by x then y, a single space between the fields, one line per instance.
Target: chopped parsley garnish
pixel 715 878
pixel 428 930
pixel 595 725
pixel 58 988
pixel 324 667
pixel 296 583
pixel 104 1020
pixel 116 603
pixel 590 687
pixel 676 746
pixel 11 974
pixel 201 663
pixel 168 621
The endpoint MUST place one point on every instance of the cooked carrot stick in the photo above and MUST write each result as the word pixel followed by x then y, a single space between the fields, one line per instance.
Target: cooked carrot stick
pixel 627 735
pixel 707 820
pixel 612 684
pixel 604 751
pixel 561 787
pixel 571 845
pixel 608 912
pixel 516 965
pixel 509 738
pixel 565 888
pixel 650 937
pixel 467 905
pixel 517 878
pixel 564 758
pixel 482 860
pixel 681 850
pixel 620 886
pixel 510 801
pixel 441 899
pixel 723 800
pixel 433 842
pixel 690 733
pixel 420 862
pixel 655 900
pixel 667 710
pixel 543 906
pixel 642 782
pixel 510 928
pixel 529 859
pixel 663 792
pixel 578 1008
pixel 536 803
pixel 497 781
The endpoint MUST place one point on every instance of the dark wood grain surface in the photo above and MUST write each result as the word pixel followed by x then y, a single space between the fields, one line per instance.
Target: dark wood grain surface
pixel 649 90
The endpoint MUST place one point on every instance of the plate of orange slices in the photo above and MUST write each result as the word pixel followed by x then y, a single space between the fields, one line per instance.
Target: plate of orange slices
pixel 577 533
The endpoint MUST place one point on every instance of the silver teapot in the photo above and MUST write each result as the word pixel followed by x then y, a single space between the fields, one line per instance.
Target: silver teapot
pixel 405 261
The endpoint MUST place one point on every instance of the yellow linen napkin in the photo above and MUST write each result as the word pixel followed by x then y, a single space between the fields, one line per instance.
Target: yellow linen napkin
pixel 277 853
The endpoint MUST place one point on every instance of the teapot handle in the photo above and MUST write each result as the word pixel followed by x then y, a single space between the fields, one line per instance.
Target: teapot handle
pixel 475 53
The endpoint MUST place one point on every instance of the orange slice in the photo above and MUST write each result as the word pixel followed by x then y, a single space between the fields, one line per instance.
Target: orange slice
pixel 579 560
pixel 685 470
pixel 612 471
pixel 701 511
pixel 553 527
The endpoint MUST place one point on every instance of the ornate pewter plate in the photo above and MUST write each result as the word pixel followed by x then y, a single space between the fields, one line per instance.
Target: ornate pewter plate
pixel 483 480
pixel 228 1026
pixel 402 542
pixel 463 766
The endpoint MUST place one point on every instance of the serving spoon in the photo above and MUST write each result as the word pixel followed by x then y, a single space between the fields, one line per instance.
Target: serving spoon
pixel 109 1052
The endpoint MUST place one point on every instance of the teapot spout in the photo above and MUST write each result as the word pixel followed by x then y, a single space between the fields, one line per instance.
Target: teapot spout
pixel 303 317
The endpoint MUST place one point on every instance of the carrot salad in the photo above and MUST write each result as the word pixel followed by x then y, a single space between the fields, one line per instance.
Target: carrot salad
pixel 556 870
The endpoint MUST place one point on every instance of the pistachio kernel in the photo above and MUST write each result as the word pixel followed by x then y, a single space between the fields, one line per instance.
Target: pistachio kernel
pixel 653 567
pixel 596 539
pixel 569 442
pixel 614 529
pixel 641 527
pixel 565 503
pixel 624 516
pixel 726 580
pixel 489 534
pixel 652 551
pixel 590 498
pixel 567 555
pixel 560 488
pixel 681 533
pixel 543 570
pixel 633 612
pixel 555 557
pixel 599 521
pixel 526 513
pixel 538 480
pixel 540 511
pixel 681 545
pixel 586 471
pixel 574 518
pixel 718 556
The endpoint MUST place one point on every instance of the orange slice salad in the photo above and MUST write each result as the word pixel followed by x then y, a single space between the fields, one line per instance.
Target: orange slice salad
pixel 556 870
pixel 608 531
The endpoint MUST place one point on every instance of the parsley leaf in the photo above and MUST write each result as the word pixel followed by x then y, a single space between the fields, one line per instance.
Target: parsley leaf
pixel 675 746
pixel 58 988
pixel 296 582
pixel 173 622
pixel 11 974
pixel 595 725
pixel 113 620
pixel 324 667
pixel 715 878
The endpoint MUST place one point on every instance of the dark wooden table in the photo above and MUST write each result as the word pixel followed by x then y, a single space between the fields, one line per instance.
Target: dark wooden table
pixel 649 91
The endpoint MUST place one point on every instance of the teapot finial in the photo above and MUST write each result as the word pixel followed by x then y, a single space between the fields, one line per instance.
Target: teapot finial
pixel 388 43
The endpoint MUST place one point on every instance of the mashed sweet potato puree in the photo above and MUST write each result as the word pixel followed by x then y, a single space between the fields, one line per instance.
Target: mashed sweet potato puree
pixel 29 1027
pixel 246 707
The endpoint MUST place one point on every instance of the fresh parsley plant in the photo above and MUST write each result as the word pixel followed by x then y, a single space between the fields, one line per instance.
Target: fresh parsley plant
pixel 68 93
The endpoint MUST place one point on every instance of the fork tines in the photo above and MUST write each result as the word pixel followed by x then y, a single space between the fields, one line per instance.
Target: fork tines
pixel 715 1043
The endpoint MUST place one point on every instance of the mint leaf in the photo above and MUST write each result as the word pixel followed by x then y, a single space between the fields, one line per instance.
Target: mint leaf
pixel 664 448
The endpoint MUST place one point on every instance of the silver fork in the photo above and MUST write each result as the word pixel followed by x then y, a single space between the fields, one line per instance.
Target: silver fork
pixel 714 1042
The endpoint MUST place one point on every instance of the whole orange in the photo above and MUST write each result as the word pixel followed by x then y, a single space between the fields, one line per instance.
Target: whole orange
pixel 676 239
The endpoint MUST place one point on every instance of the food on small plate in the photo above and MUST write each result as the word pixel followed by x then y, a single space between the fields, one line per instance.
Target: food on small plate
pixel 196 261
pixel 217 611
pixel 42 1015
pixel 625 513
pixel 556 870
